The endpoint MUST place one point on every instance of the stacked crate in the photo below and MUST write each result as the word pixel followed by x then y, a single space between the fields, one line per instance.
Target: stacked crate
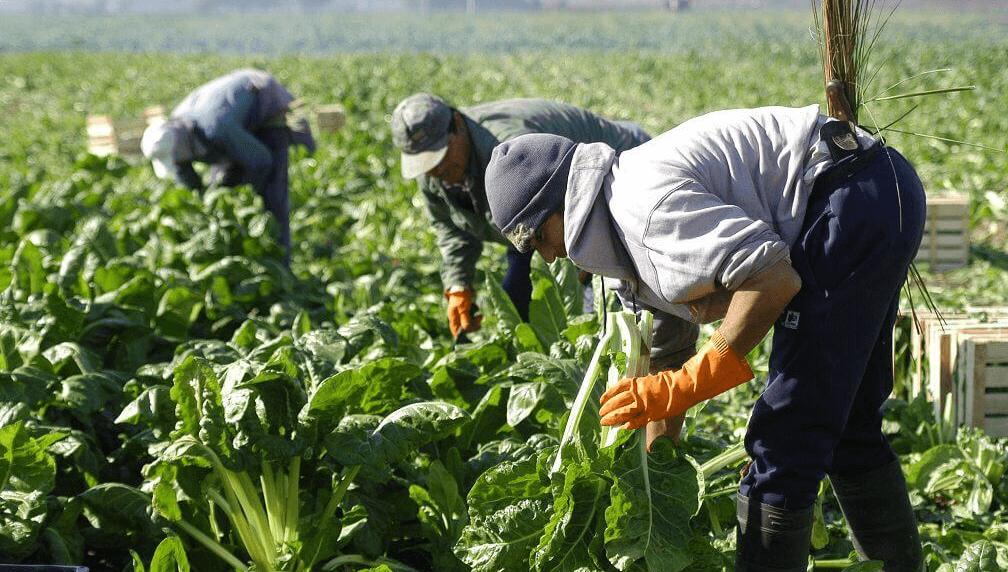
pixel 329 118
pixel 962 366
pixel 108 136
pixel 945 244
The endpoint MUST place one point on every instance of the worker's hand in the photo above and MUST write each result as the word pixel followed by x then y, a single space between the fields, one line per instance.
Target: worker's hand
pixel 636 401
pixel 460 318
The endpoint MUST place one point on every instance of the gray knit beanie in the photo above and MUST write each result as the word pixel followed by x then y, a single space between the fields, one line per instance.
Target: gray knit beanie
pixel 526 180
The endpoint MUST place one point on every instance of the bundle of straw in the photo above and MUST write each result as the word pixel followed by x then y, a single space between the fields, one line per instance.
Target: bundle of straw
pixel 845 40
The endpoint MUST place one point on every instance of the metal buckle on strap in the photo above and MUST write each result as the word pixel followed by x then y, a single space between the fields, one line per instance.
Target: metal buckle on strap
pixel 850 165
pixel 841 140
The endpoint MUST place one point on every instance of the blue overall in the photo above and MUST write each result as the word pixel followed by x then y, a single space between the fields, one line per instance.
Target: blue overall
pixel 517 280
pixel 831 362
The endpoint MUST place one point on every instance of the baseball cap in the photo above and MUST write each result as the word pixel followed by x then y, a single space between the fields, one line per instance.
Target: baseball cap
pixel 158 145
pixel 420 131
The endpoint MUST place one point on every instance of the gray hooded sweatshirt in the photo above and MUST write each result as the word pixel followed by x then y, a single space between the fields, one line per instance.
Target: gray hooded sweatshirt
pixel 684 219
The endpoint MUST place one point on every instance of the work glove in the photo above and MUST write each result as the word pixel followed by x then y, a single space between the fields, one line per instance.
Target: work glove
pixel 636 401
pixel 460 318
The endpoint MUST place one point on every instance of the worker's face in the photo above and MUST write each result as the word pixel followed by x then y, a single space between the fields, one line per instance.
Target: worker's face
pixel 452 169
pixel 548 240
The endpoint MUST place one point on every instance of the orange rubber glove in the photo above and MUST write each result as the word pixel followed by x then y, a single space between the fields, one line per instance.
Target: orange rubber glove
pixel 459 308
pixel 636 401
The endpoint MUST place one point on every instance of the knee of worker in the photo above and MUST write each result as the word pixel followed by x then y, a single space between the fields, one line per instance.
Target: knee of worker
pixel 860 453
pixel 792 447
pixel 782 483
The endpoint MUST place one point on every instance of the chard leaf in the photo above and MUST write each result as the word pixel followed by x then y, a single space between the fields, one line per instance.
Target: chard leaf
pixel 547 314
pixel 509 507
pixel 499 305
pixel 177 311
pixel 374 388
pixel 408 428
pixel 523 399
pixel 376 443
pixel 264 411
pixel 322 351
pixel 170 556
pixel 981 556
pixel 566 275
pixel 653 497
pixel 153 408
pixel 88 393
pixel 68 358
pixel 199 405
pixel 25 465
pixel 22 515
pixel 115 508
pixel 565 541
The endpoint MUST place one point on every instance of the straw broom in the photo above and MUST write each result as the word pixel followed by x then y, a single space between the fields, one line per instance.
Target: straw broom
pixel 847 32
pixel 845 39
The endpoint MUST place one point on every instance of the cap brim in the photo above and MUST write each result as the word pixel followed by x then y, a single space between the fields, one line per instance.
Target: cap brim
pixel 416 164
pixel 162 170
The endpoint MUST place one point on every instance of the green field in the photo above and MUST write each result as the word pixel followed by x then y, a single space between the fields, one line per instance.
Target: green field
pixel 138 318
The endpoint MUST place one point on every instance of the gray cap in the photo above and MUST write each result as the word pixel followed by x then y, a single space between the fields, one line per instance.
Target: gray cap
pixel 526 181
pixel 420 130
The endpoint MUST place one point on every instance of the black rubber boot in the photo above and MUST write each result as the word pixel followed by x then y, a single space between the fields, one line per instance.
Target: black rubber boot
pixel 771 539
pixel 879 517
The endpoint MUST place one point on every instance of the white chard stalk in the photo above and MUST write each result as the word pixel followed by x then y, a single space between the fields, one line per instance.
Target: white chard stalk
pixel 622 334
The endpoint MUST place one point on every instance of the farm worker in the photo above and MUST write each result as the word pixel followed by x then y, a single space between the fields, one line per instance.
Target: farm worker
pixel 238 124
pixel 757 218
pixel 447 151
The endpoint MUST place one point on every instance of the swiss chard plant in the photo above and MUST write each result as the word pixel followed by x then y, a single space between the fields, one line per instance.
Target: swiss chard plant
pixel 598 499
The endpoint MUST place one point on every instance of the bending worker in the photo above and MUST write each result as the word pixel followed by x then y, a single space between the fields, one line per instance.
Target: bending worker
pixel 763 217
pixel 448 149
pixel 237 123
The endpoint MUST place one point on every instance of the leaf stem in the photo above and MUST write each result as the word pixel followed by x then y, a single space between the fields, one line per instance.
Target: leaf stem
pixel 212 545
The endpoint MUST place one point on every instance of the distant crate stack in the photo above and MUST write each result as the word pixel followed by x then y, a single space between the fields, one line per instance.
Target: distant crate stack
pixel 330 118
pixel 961 366
pixel 945 244
pixel 108 136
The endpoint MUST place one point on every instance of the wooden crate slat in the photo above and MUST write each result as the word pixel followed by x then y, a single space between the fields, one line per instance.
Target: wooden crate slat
pixel 945 243
pixel 997 353
pixel 943 258
pixel 920 335
pixel 997 403
pixel 996 426
pixel 948 241
pixel 108 136
pixel 974 374
pixel 944 225
pixel 935 349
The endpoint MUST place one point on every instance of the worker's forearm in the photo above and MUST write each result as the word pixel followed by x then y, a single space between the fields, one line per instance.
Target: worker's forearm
pixel 757 304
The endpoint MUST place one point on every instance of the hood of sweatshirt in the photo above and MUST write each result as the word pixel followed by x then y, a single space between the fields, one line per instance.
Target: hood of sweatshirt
pixel 593 242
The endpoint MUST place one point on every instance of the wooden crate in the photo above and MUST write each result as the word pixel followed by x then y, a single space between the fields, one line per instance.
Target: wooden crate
pixel 109 136
pixel 981 391
pixel 933 348
pixel 945 244
pixel 329 118
pixel 928 326
pixel 944 372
